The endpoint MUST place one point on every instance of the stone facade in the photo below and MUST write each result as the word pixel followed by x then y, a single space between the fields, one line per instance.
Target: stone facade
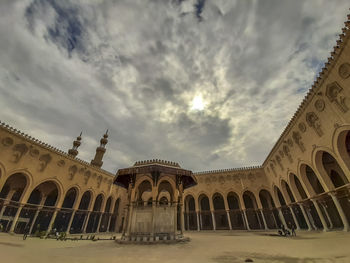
pixel 303 182
pixel 57 185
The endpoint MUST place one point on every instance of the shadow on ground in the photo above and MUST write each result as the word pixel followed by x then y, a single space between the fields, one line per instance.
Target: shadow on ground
pixel 11 244
pixel 234 258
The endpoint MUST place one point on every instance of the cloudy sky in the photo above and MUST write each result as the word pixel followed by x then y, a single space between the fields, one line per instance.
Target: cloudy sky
pixel 208 84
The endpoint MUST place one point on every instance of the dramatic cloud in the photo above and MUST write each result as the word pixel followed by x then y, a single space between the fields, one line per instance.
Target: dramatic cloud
pixel 137 67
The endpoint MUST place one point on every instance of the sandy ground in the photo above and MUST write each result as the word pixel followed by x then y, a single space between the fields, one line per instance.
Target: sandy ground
pixel 220 247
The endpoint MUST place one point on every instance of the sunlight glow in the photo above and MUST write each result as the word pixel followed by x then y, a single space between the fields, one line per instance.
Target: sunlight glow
pixel 198 103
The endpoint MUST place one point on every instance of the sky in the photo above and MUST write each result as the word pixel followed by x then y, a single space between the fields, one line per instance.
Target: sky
pixel 207 84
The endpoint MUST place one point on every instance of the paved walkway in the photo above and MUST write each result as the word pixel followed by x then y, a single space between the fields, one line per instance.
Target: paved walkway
pixel 220 247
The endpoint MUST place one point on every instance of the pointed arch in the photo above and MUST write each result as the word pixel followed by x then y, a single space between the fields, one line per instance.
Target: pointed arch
pixel 206 222
pixel 220 211
pixel 64 214
pixel 279 196
pixel 298 187
pixel 269 209
pixel 311 180
pixel 341 146
pixel 106 216
pixel 235 211
pixel 233 201
pixel 113 226
pixel 96 214
pixel 330 169
pixel 288 192
pixel 190 213
pixel 251 208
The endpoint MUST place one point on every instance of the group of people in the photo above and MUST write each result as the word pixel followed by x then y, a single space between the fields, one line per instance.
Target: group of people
pixel 287 232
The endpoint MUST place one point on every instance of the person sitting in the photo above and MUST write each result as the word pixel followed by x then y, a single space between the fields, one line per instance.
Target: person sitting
pixel 283 231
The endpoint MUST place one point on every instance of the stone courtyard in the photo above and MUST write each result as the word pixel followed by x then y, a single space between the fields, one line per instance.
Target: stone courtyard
pixel 196 86
pixel 220 247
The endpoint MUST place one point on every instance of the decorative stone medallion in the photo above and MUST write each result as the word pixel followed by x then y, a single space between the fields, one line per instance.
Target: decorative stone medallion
pixel 319 105
pixel 344 70
pixel 34 152
pixel 302 127
pixel 61 163
pixel 7 141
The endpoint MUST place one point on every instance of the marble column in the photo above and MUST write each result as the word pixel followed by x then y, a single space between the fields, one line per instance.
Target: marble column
pixel 327 215
pixel 213 219
pixel 7 201
pixel 245 218
pixel 86 221
pixel 323 221
pixel 198 224
pixel 52 220
pixel 14 222
pixel 309 227
pixel 34 219
pixel 280 213
pixel 274 218
pixel 3 209
pixel 70 222
pixel 108 221
pixel 99 222
pixel 40 207
pixel 340 211
pixel 229 219
pixel 294 218
pixel 264 220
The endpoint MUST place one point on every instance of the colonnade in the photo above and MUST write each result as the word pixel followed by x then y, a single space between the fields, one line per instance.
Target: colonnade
pixel 324 212
pixel 316 197
pixel 44 208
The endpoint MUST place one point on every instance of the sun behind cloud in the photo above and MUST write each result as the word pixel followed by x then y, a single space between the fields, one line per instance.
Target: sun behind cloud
pixel 198 103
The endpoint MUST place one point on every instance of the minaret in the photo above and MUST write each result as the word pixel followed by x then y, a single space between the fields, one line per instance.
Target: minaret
pixel 97 161
pixel 74 151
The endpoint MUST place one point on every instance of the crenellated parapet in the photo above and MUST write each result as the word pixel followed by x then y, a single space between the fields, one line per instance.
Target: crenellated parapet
pixel 228 170
pixel 156 161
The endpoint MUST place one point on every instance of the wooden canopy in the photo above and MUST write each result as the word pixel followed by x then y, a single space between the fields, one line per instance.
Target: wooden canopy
pixel 126 176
